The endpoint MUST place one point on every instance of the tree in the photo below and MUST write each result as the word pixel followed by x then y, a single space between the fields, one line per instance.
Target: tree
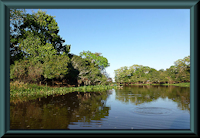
pixel 55 65
pixel 88 72
pixel 45 27
pixel 39 25
pixel 138 73
pixel 163 76
pixel 171 73
pixel 96 58
pixel 36 48
pixel 120 74
pixel 39 60
pixel 183 69
pixel 16 20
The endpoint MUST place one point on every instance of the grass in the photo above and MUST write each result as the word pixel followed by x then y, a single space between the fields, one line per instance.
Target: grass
pixel 20 90
pixel 180 84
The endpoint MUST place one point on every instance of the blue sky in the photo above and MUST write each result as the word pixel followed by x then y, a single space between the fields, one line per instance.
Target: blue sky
pixel 149 37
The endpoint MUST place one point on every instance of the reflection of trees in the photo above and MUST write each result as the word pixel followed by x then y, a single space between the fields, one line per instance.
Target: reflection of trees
pixel 57 112
pixel 142 94
pixel 181 95
pixel 137 95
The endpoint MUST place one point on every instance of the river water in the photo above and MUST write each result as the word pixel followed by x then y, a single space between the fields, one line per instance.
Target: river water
pixel 133 107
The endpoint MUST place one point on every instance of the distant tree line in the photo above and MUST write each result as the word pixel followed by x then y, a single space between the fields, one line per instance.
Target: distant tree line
pixel 179 72
pixel 38 54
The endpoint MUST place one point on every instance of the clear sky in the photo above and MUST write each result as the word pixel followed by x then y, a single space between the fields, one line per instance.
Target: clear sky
pixel 148 37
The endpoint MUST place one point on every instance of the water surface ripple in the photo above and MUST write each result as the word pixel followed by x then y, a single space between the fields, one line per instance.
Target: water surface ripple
pixel 133 107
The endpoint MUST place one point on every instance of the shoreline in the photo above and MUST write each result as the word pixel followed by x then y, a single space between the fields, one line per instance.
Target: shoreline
pixel 176 84
pixel 26 91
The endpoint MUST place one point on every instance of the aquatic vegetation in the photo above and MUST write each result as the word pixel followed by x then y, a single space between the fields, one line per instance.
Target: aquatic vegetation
pixel 26 91
pixel 85 110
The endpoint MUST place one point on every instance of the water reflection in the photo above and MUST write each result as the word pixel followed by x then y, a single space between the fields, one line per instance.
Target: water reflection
pixel 145 94
pixel 57 112
pixel 133 107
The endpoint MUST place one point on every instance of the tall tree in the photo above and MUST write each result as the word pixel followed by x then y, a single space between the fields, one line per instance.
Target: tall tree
pixel 183 68
pixel 96 58
pixel 40 25
pixel 45 27
pixel 40 47
pixel 16 20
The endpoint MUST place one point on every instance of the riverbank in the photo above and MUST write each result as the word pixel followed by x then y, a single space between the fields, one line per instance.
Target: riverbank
pixel 177 84
pixel 180 84
pixel 33 91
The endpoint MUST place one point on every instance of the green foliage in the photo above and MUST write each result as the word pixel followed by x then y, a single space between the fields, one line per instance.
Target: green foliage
pixel 33 30
pixel 16 20
pixel 26 70
pixel 95 58
pixel 88 71
pixel 45 27
pixel 138 73
pixel 18 70
pixel 34 91
pixel 34 70
pixel 50 65
pixel 82 65
pixel 183 69
pixel 38 52
pixel 36 49
pixel 55 65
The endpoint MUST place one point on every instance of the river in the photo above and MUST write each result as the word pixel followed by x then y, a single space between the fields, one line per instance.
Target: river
pixel 133 107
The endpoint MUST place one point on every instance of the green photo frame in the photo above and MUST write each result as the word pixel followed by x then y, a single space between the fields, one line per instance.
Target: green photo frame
pixel 6 5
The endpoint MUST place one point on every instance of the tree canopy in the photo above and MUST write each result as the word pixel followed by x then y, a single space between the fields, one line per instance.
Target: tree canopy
pixel 96 58
pixel 38 53
pixel 36 26
pixel 179 72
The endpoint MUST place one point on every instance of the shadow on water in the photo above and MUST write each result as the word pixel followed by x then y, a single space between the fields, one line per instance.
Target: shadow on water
pixel 57 112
